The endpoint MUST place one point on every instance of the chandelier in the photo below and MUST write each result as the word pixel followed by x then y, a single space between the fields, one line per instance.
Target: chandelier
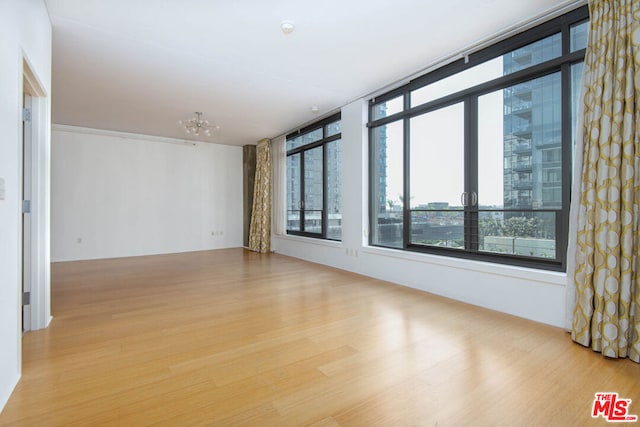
pixel 196 125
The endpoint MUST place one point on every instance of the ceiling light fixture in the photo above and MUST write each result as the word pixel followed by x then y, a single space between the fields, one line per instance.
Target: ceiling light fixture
pixel 195 125
pixel 287 27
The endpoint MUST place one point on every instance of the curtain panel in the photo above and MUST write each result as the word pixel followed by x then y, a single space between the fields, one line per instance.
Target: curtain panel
pixel 607 288
pixel 278 159
pixel 260 229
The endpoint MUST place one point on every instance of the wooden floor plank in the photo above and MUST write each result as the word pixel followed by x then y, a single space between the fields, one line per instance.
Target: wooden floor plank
pixel 230 337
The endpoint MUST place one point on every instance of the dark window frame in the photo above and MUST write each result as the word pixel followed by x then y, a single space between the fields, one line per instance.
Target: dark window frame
pixel 469 97
pixel 326 139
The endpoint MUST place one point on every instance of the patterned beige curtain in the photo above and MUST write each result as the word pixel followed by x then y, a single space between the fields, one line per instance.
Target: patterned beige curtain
pixel 607 312
pixel 260 230
pixel 279 186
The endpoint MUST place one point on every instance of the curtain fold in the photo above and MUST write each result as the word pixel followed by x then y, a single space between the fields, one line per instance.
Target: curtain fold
pixel 278 159
pixel 576 184
pixel 260 229
pixel 607 285
pixel 576 194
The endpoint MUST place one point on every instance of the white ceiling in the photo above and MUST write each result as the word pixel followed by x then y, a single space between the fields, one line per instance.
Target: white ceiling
pixel 141 65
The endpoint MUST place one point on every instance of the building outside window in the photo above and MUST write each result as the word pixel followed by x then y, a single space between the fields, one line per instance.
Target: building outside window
pixel 474 160
pixel 314 185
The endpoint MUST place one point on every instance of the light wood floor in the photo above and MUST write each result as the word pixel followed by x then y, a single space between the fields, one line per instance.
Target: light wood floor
pixel 230 337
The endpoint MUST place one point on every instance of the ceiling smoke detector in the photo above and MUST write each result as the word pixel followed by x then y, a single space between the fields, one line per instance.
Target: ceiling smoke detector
pixel 287 27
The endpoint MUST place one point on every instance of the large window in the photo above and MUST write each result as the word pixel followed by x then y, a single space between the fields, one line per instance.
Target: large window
pixel 314 185
pixel 474 159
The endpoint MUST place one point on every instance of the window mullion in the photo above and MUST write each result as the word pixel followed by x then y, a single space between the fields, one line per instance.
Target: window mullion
pixel 301 205
pixel 406 208
pixel 324 216
pixel 471 173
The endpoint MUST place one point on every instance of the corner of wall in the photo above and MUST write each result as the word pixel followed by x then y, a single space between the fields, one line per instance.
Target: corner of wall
pixel 8 385
pixel 25 30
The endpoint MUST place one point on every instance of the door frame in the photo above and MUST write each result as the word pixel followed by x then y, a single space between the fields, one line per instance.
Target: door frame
pixel 27 196
pixel 38 245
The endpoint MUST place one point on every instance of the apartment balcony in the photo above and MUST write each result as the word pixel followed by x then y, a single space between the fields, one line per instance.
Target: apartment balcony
pixel 522 185
pixel 522 91
pixel 521 148
pixel 523 203
pixel 521 107
pixel 521 166
pixel 549 142
pixel 523 113
pixel 522 131
pixel 521 56
pixel 551 164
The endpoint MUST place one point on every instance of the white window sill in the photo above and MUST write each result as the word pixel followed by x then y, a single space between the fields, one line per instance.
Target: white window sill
pixel 310 240
pixel 550 277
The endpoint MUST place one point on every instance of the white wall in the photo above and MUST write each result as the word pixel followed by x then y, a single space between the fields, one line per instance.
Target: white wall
pixel 118 195
pixel 25 34
pixel 532 294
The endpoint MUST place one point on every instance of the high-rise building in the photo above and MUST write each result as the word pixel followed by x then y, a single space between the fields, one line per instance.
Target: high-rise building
pixel 533 134
pixel 381 158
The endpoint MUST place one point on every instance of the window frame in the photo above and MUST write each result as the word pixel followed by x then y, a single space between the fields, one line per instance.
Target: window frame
pixel 320 143
pixel 469 97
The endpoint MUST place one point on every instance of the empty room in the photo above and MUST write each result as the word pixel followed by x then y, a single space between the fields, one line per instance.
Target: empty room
pixel 296 213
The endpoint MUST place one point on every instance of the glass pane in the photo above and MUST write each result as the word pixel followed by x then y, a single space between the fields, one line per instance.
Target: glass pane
pixel 313 221
pixel 532 54
pixel 437 159
pixel 438 228
pixel 333 193
pixel 387 185
pixel 518 233
pixel 293 220
pixel 463 80
pixel 306 138
pixel 293 192
pixel 294 143
pixel 520 146
pixel 576 87
pixel 519 59
pixel 492 176
pixel 385 109
pixel 313 190
pixel 333 128
pixel 579 34
pixel 313 136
